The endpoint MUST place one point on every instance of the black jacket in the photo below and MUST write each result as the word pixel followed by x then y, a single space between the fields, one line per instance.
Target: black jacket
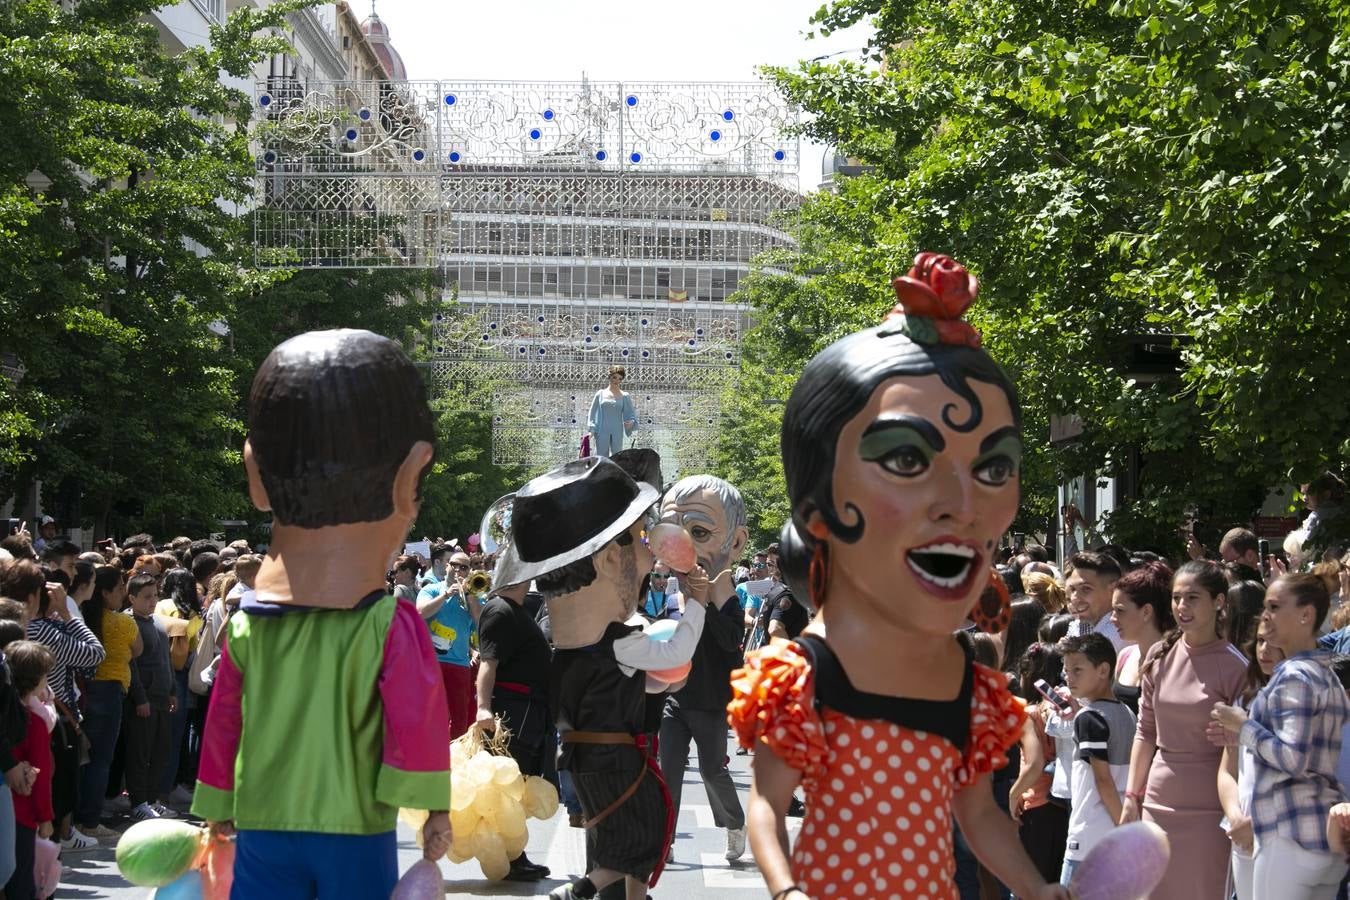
pixel 13 718
pixel 717 653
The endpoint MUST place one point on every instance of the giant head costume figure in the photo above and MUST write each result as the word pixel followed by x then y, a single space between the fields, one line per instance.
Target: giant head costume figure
pixel 340 438
pixel 902 447
pixel 712 512
pixel 579 529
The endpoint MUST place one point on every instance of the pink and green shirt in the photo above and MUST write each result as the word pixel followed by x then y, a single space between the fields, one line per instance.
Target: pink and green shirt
pixel 325 720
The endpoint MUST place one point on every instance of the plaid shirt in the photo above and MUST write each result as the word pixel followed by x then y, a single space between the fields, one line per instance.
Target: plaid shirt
pixel 1294 733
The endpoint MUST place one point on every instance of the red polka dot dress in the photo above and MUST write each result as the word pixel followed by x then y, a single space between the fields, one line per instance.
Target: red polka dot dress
pixel 879 772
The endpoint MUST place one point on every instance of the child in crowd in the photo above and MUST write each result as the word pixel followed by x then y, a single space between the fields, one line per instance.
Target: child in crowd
pixel 29 663
pixel 1103 733
pixel 148 725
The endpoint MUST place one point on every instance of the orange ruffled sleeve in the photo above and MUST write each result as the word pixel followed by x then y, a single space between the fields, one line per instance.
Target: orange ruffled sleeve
pixel 996 718
pixel 773 703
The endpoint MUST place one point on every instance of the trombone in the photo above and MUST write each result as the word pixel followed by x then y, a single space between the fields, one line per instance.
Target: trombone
pixel 478 583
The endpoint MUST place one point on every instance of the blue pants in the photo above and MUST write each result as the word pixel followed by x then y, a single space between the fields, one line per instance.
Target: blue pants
pixel 305 865
pixel 178 725
pixel 102 724
pixel 8 832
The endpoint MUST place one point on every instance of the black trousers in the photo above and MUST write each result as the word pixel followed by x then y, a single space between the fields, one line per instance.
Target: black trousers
pixel 708 730
pixel 65 769
pixel 22 885
pixel 148 740
pixel 533 737
pixel 1043 833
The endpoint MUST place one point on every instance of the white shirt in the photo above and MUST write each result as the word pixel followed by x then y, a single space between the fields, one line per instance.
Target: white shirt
pixel 1104 627
pixel 637 651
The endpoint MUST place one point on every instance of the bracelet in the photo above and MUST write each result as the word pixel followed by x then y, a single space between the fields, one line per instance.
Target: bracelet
pixel 787 890
pixel 1137 796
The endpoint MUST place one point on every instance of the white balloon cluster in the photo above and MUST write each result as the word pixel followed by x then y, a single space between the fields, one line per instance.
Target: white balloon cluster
pixel 489 803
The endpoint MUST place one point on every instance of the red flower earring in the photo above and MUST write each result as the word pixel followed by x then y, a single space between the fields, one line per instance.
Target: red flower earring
pixel 993 611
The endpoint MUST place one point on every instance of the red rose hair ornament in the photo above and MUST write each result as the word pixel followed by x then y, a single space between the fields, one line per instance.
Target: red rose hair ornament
pixel 930 301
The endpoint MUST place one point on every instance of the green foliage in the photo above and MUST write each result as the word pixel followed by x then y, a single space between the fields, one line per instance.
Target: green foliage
pixel 463 481
pixel 116 252
pixel 1144 167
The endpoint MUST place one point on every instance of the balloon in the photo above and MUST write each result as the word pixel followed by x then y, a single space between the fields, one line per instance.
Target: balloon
pixel 673 546
pixel 541 798
pixel 509 817
pixel 422 881
pixel 187 886
pixel 1126 864
pixel 156 852
pixel 505 770
pixel 673 674
pixel 661 630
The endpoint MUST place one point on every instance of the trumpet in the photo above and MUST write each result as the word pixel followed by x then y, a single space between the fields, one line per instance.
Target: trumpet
pixel 478 582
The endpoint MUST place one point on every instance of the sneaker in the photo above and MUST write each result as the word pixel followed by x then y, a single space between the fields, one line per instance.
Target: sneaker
pixel 78 842
pixel 735 844
pixel 741 751
pixel 796 808
pixel 101 832
pixel 143 811
pixel 117 806
pixel 163 811
pixel 182 795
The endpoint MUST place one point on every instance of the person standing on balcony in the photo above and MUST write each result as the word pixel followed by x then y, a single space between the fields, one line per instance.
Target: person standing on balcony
pixel 612 416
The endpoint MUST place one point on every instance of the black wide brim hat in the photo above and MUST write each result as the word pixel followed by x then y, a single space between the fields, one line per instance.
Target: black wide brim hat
pixel 568 514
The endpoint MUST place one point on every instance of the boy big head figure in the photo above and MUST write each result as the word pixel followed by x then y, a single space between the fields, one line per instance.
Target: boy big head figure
pixel 327 714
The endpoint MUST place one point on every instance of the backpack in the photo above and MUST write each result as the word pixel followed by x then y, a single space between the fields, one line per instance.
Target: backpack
pixel 208 649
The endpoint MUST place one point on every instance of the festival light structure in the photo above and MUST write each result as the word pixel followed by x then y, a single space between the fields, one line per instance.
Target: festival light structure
pixel 577 225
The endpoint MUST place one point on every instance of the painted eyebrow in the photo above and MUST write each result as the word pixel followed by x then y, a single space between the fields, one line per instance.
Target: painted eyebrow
pixel 994 438
pixel 925 429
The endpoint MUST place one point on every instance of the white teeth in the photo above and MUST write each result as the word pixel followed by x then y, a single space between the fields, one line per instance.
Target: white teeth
pixel 950 549
pixel 952 582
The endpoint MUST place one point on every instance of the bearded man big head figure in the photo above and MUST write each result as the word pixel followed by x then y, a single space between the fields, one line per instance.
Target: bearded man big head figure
pixel 581 532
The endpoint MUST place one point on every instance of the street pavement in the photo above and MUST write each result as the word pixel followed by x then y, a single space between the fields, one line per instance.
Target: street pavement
pixel 700 869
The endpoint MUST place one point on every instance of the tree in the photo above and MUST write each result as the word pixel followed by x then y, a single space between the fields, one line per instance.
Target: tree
pixel 117 251
pixel 1169 170
pixel 463 481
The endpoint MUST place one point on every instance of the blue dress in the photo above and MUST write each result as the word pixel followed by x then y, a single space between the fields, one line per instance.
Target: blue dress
pixel 608 415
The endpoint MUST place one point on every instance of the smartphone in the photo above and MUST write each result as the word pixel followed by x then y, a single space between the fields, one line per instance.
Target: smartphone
pixel 1263 551
pixel 1058 702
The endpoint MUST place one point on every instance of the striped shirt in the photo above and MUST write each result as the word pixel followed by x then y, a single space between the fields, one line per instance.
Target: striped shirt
pixel 1294 733
pixel 73 646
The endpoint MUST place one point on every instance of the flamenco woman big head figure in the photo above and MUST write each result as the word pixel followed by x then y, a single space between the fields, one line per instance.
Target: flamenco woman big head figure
pixel 901 447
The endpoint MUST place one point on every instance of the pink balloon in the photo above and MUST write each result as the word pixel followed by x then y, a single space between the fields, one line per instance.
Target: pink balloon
pixel 672 675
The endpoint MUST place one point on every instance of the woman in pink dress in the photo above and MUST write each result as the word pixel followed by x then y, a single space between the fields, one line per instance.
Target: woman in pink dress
pixel 1173 780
